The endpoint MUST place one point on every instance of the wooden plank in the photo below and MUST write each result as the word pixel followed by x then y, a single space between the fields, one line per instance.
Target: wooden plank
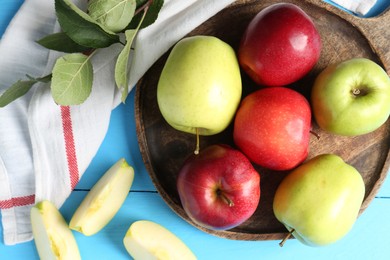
pixel 367 240
pixel 384 191
pixel 7 11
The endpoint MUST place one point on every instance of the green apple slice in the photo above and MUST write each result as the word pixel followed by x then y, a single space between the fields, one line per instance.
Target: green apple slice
pixel 149 240
pixel 52 237
pixel 104 199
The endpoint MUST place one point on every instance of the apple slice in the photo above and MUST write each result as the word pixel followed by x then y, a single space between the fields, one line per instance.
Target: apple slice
pixel 149 240
pixel 104 199
pixel 52 237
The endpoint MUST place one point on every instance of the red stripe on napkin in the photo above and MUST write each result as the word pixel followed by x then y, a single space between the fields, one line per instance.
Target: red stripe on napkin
pixel 17 202
pixel 71 160
pixel 70 146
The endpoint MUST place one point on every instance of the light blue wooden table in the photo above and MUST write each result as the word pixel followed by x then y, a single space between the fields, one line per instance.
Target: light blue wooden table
pixel 369 238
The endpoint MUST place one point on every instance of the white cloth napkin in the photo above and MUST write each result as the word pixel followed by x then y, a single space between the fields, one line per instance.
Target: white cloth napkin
pixel 360 7
pixel 45 148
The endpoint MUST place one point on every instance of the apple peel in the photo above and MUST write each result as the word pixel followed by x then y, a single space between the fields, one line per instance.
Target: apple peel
pixel 319 201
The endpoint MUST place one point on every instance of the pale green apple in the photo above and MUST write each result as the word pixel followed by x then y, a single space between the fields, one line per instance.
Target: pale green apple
pixel 148 240
pixel 352 97
pixel 52 236
pixel 104 199
pixel 200 85
pixel 320 200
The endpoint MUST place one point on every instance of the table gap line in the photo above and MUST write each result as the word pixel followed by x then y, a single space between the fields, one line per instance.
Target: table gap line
pixel 139 191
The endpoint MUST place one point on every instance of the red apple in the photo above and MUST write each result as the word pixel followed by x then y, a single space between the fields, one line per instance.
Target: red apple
pixel 219 188
pixel 272 127
pixel 280 45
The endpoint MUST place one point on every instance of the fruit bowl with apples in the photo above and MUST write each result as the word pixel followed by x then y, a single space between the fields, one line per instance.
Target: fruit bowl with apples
pixel 165 149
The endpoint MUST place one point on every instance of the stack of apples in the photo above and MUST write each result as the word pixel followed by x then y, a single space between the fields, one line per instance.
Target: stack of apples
pixel 200 92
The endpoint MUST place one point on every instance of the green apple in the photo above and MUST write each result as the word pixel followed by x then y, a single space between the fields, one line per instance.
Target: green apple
pixel 352 97
pixel 319 201
pixel 104 199
pixel 149 240
pixel 52 237
pixel 200 85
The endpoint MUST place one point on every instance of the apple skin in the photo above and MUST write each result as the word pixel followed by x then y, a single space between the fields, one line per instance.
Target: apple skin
pixel 338 110
pixel 272 128
pixel 320 200
pixel 280 45
pixel 200 85
pixel 219 188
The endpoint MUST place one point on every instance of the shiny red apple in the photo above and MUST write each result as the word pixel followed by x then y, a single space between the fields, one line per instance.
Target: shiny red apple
pixel 219 189
pixel 280 45
pixel 272 127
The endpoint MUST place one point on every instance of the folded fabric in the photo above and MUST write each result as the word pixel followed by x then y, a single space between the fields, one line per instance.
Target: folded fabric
pixel 45 148
pixel 360 7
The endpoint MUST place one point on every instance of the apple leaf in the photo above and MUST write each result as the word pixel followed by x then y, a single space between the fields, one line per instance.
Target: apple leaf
pixel 121 66
pixel 81 28
pixel 140 2
pixel 20 88
pixel 61 42
pixel 72 79
pixel 114 15
pixel 151 16
pixel 44 79
pixel 17 90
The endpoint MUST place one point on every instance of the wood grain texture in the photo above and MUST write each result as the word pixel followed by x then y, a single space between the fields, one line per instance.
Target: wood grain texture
pixel 367 240
pixel 344 36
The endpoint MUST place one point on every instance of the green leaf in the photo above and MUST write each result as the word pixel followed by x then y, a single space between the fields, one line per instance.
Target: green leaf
pixel 72 79
pixel 20 88
pixel 121 66
pixel 141 3
pixel 81 28
pixel 61 42
pixel 44 79
pixel 17 90
pixel 151 15
pixel 114 15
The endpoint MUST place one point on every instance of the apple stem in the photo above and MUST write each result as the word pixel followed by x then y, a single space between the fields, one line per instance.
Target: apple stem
pixel 315 134
pixel 226 199
pixel 197 142
pixel 359 92
pixel 356 92
pixel 286 237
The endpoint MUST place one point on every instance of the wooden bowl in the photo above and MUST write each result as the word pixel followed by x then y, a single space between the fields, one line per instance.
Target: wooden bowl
pixel 344 36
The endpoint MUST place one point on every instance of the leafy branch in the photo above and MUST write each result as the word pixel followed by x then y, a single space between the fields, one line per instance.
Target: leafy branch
pixel 82 35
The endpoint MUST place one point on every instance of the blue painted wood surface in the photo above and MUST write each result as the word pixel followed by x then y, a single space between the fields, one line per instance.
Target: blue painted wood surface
pixel 369 238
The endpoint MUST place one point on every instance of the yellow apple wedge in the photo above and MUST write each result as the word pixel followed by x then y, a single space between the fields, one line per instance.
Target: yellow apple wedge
pixel 104 199
pixel 52 236
pixel 149 240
